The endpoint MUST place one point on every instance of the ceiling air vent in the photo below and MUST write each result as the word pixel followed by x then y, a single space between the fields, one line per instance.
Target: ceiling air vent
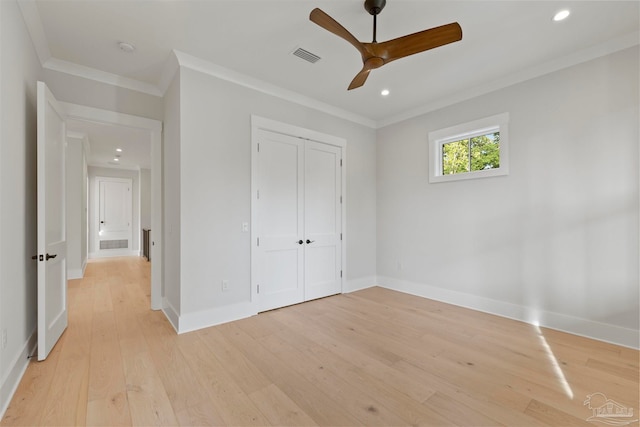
pixel 306 55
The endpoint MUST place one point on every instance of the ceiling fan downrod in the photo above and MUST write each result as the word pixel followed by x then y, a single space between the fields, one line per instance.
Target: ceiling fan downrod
pixel 374 7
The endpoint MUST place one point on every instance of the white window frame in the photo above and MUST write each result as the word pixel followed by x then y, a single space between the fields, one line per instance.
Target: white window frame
pixel 497 123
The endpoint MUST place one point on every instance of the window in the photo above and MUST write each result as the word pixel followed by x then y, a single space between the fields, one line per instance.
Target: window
pixel 472 150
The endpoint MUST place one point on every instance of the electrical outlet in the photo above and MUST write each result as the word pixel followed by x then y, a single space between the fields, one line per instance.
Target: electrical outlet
pixel 225 286
pixel 4 338
pixel 245 227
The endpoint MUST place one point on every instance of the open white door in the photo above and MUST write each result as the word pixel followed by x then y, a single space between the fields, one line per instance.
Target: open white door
pixel 52 245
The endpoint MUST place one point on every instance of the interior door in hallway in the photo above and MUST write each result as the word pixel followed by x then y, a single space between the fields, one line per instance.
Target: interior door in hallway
pixel 114 214
pixel 299 247
pixel 52 245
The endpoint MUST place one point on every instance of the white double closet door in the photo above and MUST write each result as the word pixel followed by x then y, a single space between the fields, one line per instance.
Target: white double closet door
pixel 299 220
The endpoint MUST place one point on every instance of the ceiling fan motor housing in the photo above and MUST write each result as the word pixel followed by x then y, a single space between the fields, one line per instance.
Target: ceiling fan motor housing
pixel 374 7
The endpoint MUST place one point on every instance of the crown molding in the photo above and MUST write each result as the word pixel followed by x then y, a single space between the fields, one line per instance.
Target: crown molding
pixel 94 74
pixel 110 166
pixel 206 67
pixel 169 71
pixel 76 135
pixel 32 20
pixel 584 55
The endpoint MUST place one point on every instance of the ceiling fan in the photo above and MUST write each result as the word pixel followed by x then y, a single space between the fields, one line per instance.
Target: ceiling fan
pixel 374 54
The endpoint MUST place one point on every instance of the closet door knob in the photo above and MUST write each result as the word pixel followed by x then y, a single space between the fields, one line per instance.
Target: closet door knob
pixel 310 241
pixel 300 242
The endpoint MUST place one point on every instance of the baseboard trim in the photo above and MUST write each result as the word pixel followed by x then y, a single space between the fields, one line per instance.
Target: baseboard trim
pixel 203 319
pixel 170 313
pixel 75 273
pixel 359 284
pixel 11 380
pixel 574 325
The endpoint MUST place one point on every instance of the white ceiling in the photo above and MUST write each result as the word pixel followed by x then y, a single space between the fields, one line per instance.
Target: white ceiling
pixel 105 139
pixel 503 42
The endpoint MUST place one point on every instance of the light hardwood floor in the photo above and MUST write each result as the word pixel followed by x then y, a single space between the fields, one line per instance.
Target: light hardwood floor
pixel 373 357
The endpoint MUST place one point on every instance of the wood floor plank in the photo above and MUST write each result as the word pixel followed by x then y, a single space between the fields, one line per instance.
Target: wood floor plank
pixel 202 414
pixel 179 379
pixel 279 408
pixel 366 384
pixel 229 400
pixel 552 416
pixel 318 405
pixel 361 405
pixel 245 373
pixel 362 362
pixel 456 412
pixel 373 357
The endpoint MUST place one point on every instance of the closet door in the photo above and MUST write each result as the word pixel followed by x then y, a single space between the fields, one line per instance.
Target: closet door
pixel 280 206
pixel 322 220
pixel 298 220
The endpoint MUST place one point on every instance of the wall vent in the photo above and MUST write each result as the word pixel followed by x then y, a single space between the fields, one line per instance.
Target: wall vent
pixel 306 55
pixel 114 244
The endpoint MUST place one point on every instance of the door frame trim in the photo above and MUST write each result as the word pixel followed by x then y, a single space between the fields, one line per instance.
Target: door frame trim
pixel 154 127
pixel 261 123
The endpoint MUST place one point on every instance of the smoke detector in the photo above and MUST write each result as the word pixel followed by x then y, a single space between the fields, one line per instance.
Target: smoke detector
pixel 126 47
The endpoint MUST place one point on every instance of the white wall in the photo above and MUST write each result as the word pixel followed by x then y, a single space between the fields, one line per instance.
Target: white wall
pixel 214 194
pixel 19 71
pixel 556 241
pixel 171 201
pixel 76 205
pixel 93 204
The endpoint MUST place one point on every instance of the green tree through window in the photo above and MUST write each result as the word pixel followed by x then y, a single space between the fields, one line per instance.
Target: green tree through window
pixel 471 154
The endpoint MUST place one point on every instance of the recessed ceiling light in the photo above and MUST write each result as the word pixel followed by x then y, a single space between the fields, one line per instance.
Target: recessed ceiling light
pixel 119 150
pixel 115 159
pixel 384 92
pixel 562 15
pixel 126 47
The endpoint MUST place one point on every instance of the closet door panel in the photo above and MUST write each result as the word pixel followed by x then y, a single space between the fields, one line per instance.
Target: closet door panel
pixel 322 219
pixel 280 220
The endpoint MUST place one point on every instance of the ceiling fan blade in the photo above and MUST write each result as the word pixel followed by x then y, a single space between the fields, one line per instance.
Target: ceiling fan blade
pixel 359 79
pixel 320 18
pixel 418 42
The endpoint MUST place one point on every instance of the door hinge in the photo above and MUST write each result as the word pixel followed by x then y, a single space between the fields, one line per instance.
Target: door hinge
pixel 258 290
pixel 258 147
pixel 258 194
pixel 340 162
pixel 340 273
pixel 340 199
pixel 258 241
pixel 340 236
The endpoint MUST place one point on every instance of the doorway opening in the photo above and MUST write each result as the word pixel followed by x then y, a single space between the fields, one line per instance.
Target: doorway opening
pixel 151 131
